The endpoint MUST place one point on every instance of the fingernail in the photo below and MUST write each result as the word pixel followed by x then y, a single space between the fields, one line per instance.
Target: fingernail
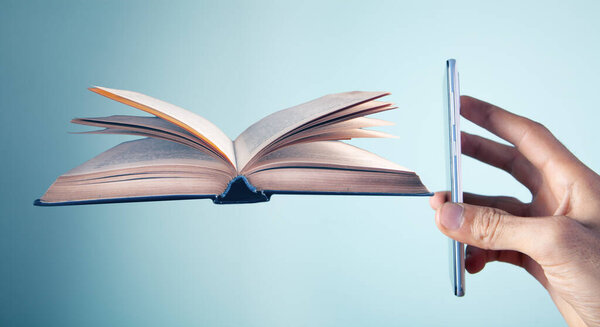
pixel 451 216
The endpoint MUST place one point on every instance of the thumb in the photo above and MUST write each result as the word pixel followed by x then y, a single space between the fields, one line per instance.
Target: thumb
pixel 494 229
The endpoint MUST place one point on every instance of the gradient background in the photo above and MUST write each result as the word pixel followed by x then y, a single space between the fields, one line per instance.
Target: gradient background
pixel 298 260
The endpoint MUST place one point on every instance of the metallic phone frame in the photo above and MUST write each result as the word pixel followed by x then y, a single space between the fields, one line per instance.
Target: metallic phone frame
pixel 457 253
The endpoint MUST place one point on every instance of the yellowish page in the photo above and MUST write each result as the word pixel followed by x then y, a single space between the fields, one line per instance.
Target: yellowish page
pixel 191 122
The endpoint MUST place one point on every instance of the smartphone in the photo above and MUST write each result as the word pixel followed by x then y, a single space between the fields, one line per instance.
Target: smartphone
pixel 452 113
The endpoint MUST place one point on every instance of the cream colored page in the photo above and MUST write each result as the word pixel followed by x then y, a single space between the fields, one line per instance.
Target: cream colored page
pixel 268 129
pixel 328 121
pixel 325 154
pixel 346 134
pixel 154 134
pixel 355 123
pixel 150 122
pixel 147 152
pixel 360 122
pixel 364 109
pixel 144 126
pixel 187 120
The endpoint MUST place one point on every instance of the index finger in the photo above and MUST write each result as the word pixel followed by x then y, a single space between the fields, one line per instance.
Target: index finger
pixel 531 138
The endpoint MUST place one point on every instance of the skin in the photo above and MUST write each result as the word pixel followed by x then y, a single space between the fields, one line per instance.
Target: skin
pixel 555 237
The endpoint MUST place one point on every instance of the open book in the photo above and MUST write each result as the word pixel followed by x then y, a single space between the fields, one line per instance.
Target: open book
pixel 183 156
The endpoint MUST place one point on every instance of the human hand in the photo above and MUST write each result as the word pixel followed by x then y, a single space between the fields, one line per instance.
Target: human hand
pixel 556 237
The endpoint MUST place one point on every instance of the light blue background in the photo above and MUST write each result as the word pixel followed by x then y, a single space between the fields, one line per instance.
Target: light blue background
pixel 298 260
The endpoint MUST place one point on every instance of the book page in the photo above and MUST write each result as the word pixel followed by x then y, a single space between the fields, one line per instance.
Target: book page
pixel 154 134
pixel 191 122
pixel 141 121
pixel 329 154
pixel 148 152
pixel 147 127
pixel 332 167
pixel 270 128
pixel 352 128
pixel 364 109
pixel 327 181
pixel 360 122
pixel 145 167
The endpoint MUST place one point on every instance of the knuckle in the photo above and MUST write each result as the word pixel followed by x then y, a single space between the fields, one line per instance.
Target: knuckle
pixel 513 161
pixel 529 124
pixel 487 227
pixel 539 128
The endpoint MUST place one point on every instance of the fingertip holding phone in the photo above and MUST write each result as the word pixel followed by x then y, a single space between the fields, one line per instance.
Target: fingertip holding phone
pixel 452 104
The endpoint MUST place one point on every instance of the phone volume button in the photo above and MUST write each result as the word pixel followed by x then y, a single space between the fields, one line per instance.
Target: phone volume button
pixel 454 133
